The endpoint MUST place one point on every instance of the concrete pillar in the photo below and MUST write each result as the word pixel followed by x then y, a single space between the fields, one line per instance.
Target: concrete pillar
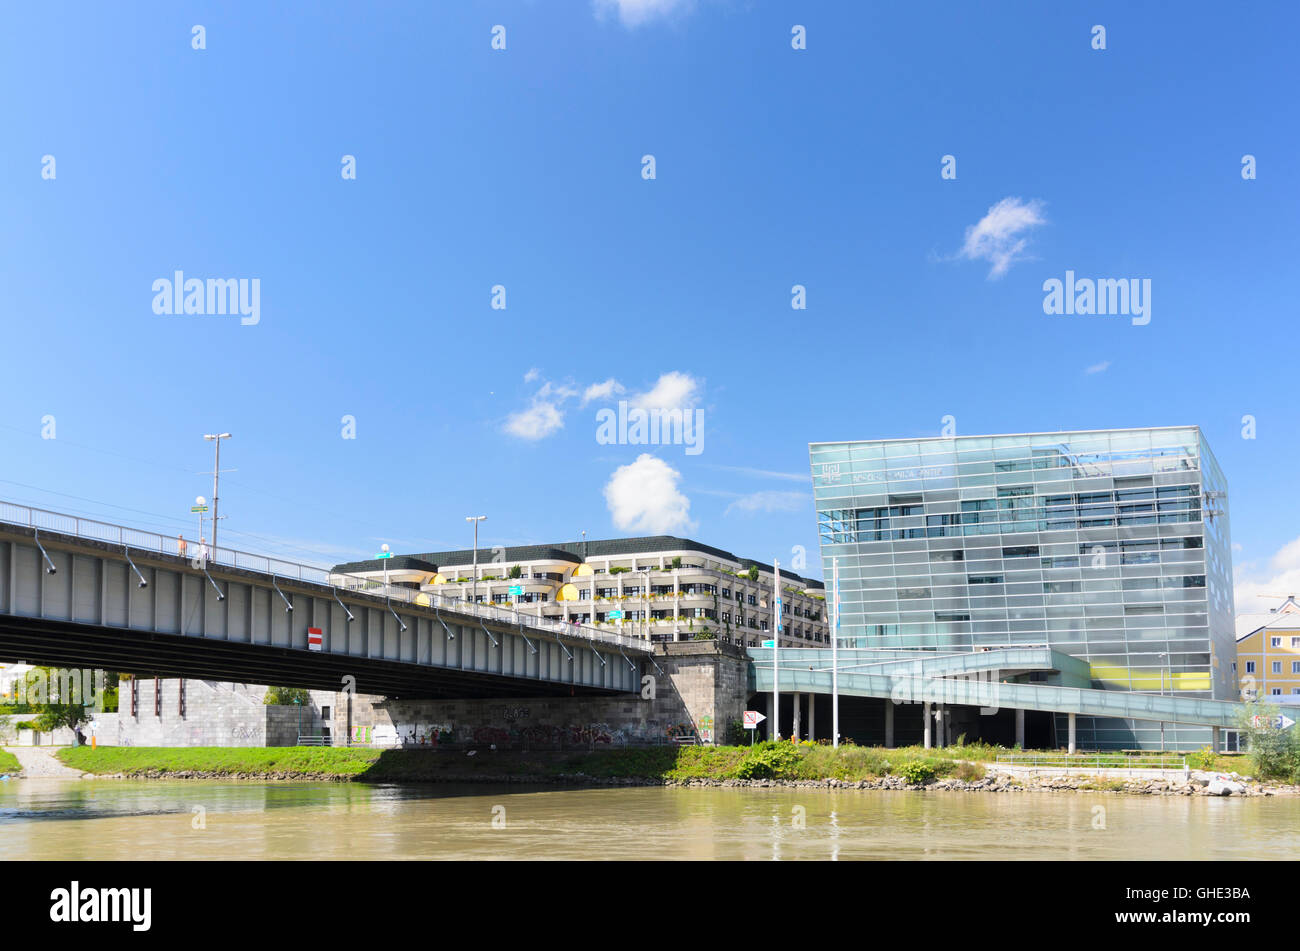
pixel 889 723
pixel 798 699
pixel 1214 738
pixel 941 727
pixel 812 716
pixel 771 717
pixel 1073 745
pixel 926 717
pixel 1020 728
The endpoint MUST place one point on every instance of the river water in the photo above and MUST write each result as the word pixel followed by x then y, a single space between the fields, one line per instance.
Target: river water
pixel 112 819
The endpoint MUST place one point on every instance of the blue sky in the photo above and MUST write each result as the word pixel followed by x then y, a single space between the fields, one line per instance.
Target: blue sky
pixel 522 167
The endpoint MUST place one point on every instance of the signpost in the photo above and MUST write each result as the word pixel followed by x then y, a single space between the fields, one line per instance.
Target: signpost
pixel 385 554
pixel 751 719
pixel 516 589
pixel 614 616
pixel 769 644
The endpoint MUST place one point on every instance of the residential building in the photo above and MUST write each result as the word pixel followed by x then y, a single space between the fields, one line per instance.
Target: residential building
pixel 661 587
pixel 1267 667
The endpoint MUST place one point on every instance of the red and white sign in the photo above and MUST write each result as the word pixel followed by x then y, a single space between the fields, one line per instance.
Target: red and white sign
pixel 752 719
pixel 313 638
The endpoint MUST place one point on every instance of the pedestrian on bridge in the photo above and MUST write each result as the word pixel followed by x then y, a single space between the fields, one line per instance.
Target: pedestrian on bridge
pixel 203 550
pixel 180 545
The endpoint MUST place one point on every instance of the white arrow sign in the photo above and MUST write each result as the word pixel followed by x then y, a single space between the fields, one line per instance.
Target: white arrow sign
pixel 752 719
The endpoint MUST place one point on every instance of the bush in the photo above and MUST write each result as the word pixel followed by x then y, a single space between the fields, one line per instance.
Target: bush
pixel 968 772
pixel 1204 758
pixel 917 772
pixel 769 760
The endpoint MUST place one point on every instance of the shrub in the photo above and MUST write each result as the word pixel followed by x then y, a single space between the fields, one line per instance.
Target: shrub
pixel 1204 758
pixel 917 772
pixel 769 760
pixel 968 772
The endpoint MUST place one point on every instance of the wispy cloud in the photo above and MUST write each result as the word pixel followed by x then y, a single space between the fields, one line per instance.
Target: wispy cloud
pixel 999 237
pixel 1259 588
pixel 673 390
pixel 764 473
pixel 601 391
pixel 634 13
pixel 769 501
pixel 1098 367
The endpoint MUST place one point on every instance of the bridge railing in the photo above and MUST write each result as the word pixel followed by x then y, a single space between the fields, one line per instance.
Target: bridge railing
pixel 141 540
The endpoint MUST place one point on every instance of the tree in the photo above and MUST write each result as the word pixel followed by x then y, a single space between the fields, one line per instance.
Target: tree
pixel 57 701
pixel 514 571
pixel 285 696
pixel 752 574
pixel 1274 753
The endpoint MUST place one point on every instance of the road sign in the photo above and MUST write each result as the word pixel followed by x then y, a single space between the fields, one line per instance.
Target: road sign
pixel 752 718
pixel 1279 722
pixel 516 589
pixel 314 638
pixel 769 643
pixel 615 615
pixel 384 554
pixel 198 508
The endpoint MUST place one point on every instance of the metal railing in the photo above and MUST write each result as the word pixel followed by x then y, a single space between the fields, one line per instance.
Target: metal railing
pixel 207 556
pixel 1094 760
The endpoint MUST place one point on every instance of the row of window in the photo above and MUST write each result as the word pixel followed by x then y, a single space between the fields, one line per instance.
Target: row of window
pixel 1276 667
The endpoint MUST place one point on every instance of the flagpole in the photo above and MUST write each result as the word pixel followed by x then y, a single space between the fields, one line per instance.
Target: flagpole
pixel 776 645
pixel 835 656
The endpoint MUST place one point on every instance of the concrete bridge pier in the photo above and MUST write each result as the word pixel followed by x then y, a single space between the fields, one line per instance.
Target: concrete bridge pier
pixel 1214 738
pixel 771 719
pixel 926 717
pixel 798 698
pixel 1020 728
pixel 1073 744
pixel 812 717
pixel 889 723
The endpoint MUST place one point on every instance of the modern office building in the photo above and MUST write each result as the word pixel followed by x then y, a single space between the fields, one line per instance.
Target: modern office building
pixel 662 587
pixel 1109 545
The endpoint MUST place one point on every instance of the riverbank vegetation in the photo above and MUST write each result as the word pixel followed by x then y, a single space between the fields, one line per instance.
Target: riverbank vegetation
pixel 9 763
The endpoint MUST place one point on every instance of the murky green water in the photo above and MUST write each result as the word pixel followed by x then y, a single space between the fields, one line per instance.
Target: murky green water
pixel 112 819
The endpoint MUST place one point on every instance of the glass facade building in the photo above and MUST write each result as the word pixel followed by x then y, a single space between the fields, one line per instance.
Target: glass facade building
pixel 1109 545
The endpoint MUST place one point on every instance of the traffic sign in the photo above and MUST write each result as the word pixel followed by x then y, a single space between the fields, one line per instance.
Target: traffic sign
pixel 198 508
pixel 314 638
pixel 1279 722
pixel 516 589
pixel 769 643
pixel 752 718
pixel 615 615
pixel 384 554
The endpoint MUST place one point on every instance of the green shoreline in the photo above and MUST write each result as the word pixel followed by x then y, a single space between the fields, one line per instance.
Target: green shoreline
pixel 766 764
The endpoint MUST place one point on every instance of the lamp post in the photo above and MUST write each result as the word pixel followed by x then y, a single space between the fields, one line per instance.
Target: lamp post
pixel 216 475
pixel 201 504
pixel 475 519
pixel 298 703
pixel 384 549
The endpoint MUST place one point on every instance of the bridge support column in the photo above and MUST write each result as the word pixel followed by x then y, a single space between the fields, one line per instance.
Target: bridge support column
pixel 1020 728
pixel 1073 745
pixel 926 717
pixel 812 716
pixel 1214 738
pixel 889 723
pixel 942 726
pixel 798 701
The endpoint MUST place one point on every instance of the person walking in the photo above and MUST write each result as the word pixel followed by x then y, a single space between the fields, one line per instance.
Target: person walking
pixel 180 545
pixel 203 550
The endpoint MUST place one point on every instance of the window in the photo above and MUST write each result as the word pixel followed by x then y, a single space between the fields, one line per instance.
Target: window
pixel 1276 691
pixel 1250 666
pixel 1275 642
pixel 726 592
pixel 1295 666
pixel 1295 642
pixel 1277 667
pixel 751 599
pixel 324 713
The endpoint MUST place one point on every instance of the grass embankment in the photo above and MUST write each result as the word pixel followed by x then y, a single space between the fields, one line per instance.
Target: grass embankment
pixel 674 764
pixel 340 762
pixel 9 762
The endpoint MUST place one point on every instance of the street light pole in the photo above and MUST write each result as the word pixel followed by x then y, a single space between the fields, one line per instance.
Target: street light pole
pixel 216 476
pixel 475 519
pixel 776 646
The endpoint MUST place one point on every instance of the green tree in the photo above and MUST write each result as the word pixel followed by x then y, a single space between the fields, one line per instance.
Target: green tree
pixel 58 703
pixel 285 696
pixel 1274 753
pixel 514 571
pixel 752 574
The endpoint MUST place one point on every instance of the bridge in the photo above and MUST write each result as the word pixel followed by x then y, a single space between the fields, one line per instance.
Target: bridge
pixel 76 592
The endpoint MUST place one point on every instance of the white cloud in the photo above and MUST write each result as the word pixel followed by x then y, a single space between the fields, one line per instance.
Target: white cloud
pixel 643 497
pixel 673 390
pixel 633 13
pixel 601 391
pixel 998 236
pixel 770 501
pixel 537 422
pixel 1258 589
pixel 1098 367
pixel 532 375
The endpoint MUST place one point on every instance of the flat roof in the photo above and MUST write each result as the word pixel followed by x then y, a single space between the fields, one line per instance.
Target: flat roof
pixel 1050 432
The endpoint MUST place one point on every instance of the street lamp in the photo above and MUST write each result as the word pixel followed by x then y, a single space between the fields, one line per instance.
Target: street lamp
pixel 298 703
pixel 384 549
pixel 201 505
pixel 475 519
pixel 216 475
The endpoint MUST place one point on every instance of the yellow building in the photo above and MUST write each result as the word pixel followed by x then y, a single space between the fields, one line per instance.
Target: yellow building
pixel 1268 654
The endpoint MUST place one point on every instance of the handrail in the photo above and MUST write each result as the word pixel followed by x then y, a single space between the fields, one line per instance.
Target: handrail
pixel 145 541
